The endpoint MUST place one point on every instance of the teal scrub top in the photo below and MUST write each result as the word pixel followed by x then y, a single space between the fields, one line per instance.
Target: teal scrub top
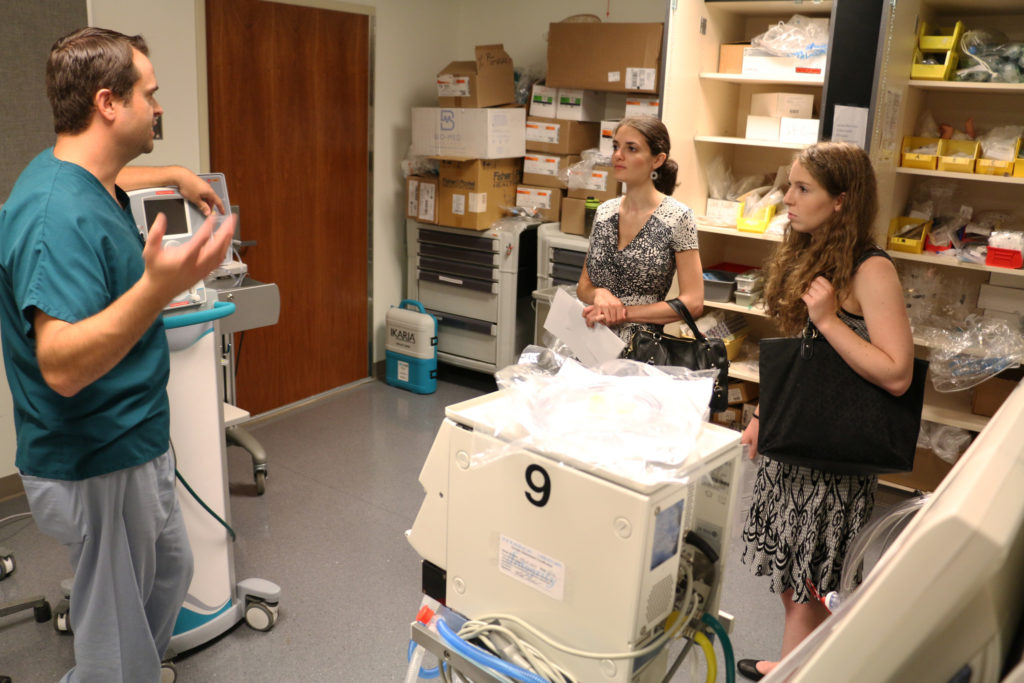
pixel 69 249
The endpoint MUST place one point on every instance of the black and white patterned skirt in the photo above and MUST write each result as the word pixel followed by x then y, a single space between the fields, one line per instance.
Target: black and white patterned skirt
pixel 801 523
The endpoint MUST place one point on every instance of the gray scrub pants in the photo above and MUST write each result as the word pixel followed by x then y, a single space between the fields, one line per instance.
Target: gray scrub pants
pixel 132 564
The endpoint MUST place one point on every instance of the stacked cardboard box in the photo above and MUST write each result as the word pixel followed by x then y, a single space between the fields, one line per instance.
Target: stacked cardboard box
pixel 479 137
pixel 597 73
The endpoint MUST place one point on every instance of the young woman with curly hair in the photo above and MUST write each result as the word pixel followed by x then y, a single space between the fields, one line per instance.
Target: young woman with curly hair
pixel 829 271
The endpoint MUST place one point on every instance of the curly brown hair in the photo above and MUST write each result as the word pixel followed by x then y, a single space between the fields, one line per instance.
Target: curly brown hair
pixel 832 249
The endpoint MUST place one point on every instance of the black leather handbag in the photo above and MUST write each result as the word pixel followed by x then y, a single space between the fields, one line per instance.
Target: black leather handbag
pixel 816 411
pixel 698 353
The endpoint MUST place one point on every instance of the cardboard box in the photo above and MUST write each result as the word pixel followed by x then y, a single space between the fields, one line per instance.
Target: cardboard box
pixel 1006 299
pixel 990 394
pixel 421 198
pixel 763 63
pixel 1006 280
pixel 730 58
pixel 472 193
pixel 611 57
pixel 544 101
pixel 547 201
pixel 547 170
pixel 485 82
pixel 801 131
pixel 614 106
pixel 762 127
pixel 607 137
pixel 560 137
pixel 599 182
pixel 740 391
pixel 575 104
pixel 469 133
pixel 573 211
pixel 730 417
pixel 722 211
pixel 642 106
pixel 748 413
pixel 792 104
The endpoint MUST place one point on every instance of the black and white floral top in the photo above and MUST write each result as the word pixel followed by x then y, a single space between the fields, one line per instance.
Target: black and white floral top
pixel 642 272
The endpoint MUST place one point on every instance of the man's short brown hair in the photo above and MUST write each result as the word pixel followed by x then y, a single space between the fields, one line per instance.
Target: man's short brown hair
pixel 84 62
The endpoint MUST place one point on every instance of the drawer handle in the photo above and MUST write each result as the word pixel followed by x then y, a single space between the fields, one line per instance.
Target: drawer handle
pixel 452 280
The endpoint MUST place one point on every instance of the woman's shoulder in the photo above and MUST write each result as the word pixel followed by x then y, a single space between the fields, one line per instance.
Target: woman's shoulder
pixel 610 206
pixel 670 206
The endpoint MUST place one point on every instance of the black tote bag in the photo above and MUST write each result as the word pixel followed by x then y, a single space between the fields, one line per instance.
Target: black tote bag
pixel 699 353
pixel 816 411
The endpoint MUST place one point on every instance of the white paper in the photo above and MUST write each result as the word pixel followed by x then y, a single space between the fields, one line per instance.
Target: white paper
pixel 850 124
pixel 592 345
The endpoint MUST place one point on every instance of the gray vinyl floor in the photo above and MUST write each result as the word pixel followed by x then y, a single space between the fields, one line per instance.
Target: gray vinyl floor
pixel 329 531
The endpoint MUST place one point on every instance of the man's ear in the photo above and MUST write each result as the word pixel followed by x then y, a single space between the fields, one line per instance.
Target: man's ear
pixel 104 101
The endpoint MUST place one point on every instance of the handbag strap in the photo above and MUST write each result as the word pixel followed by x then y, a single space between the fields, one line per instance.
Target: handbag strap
pixel 680 308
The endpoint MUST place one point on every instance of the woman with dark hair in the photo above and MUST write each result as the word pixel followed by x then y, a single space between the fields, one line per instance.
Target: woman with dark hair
pixel 827 270
pixel 640 239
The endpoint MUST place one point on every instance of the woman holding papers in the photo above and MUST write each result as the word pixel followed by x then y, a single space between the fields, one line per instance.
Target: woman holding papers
pixel 640 239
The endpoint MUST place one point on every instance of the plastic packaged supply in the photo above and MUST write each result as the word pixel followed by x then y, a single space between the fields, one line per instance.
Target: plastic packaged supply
pixel 946 441
pixel 800 37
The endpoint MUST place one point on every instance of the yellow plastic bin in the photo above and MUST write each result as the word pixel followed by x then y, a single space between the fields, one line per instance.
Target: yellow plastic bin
pixel 958 156
pixel 756 223
pixel 1018 165
pixel 939 38
pixel 913 244
pixel 943 71
pixel 910 159
pixel 997 167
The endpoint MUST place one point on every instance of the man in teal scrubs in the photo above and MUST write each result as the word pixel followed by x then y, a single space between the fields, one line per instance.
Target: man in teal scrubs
pixel 81 295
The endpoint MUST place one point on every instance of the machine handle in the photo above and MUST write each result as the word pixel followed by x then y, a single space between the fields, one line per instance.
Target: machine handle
pixel 221 309
pixel 415 303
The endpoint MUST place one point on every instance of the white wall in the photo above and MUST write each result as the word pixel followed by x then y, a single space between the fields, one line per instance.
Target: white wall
pixel 170 31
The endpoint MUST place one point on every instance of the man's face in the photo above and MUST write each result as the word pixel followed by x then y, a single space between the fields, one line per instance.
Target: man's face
pixel 138 112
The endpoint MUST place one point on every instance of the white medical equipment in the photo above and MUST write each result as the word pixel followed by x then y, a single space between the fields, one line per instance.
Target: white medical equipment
pixel 214 602
pixel 585 555
pixel 946 601
pixel 183 220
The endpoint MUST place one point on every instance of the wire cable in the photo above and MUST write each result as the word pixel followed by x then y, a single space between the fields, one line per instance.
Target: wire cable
pixel 723 636
pixel 709 655
pixel 484 658
pixel 199 500
pixel 654 646
pixel 527 655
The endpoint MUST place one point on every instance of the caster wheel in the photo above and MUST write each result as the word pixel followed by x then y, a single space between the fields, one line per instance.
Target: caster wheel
pixel 62 617
pixel 261 483
pixel 6 566
pixel 168 673
pixel 42 613
pixel 260 616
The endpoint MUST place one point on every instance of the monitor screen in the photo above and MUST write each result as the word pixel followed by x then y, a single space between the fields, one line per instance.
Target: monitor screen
pixel 174 209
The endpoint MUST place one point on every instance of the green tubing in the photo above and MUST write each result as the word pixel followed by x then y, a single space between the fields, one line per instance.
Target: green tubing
pixel 730 658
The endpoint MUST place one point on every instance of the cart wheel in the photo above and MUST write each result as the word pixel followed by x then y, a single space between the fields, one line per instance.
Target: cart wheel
pixel 62 617
pixel 261 482
pixel 6 565
pixel 259 616
pixel 168 673
pixel 42 612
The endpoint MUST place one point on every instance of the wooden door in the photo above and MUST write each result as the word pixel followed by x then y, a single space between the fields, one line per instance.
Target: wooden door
pixel 289 116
